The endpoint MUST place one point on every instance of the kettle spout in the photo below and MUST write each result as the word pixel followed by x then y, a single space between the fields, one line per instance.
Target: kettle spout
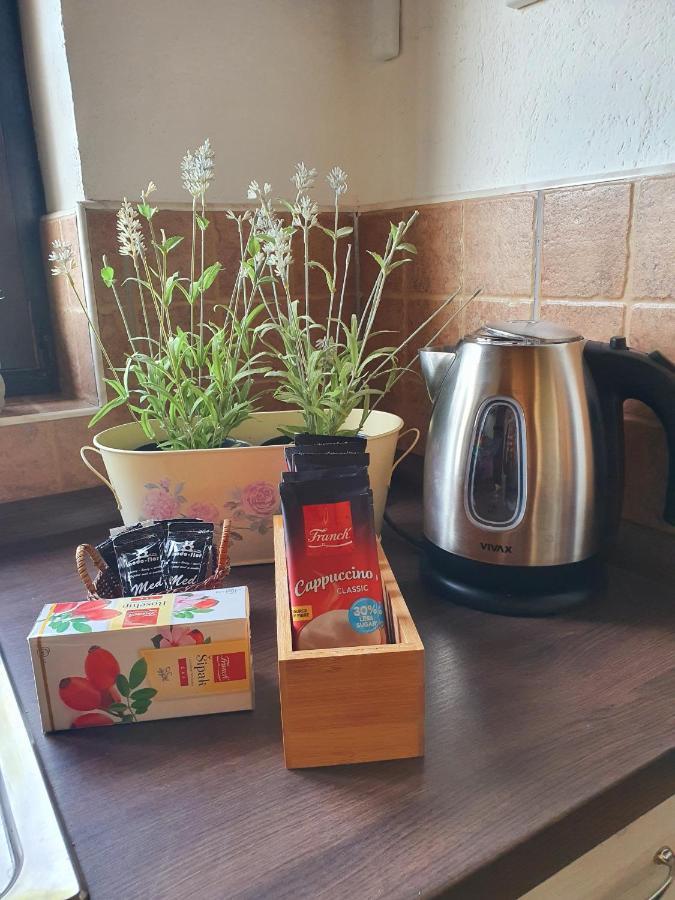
pixel 435 363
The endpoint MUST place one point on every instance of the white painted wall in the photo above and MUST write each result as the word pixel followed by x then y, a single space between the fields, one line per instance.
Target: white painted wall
pixel 269 81
pixel 483 96
pixel 52 102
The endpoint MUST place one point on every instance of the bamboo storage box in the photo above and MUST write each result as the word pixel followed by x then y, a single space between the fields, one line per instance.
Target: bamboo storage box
pixel 349 704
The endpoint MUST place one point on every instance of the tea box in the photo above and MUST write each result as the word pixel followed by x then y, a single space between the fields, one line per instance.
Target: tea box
pixel 129 660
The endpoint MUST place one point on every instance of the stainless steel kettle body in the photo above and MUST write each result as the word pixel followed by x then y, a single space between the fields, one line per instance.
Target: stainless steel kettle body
pixel 511 474
pixel 522 464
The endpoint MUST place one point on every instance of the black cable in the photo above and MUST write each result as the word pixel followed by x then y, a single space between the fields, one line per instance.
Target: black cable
pixel 402 533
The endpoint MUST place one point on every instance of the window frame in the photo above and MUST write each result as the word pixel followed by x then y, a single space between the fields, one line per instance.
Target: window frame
pixel 28 204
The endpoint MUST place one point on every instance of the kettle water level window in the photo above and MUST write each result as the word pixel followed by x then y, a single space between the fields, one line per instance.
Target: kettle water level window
pixel 496 484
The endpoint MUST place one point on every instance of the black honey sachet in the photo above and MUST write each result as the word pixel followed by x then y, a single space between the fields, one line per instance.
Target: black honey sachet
pixel 107 551
pixel 187 553
pixel 139 560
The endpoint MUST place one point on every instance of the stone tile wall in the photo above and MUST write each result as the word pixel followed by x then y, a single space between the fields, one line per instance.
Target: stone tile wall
pixel 605 266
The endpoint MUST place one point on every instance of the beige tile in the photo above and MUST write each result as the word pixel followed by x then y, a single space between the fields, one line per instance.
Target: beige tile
pixel 391 320
pixel 74 356
pixel 651 326
pixel 499 245
pixel 653 246
pixel 444 328
pixel 69 436
pixel 584 241
pixel 28 461
pixel 594 321
pixel 480 312
pixel 437 266
pixel 321 251
pixel 226 250
pixel 373 234
pixel 416 410
pixel 646 471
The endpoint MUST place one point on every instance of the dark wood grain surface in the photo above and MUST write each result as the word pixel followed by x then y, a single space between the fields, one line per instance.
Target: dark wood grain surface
pixel 543 736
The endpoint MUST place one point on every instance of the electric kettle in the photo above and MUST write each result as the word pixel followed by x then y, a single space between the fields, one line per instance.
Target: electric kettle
pixel 523 472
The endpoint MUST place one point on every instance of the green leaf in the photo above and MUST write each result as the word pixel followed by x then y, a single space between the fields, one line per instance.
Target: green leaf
pixel 143 694
pixel 108 276
pixel 79 625
pixel 343 232
pixel 122 685
pixel 137 674
pixel 395 265
pixel 146 210
pixel 170 243
pixel 117 708
pixel 378 259
pixel 106 408
pixel 140 707
pixel 329 278
pixel 205 280
pixel 409 248
pixel 202 222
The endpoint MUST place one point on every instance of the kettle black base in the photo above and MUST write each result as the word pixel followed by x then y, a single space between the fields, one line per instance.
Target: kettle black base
pixel 512 590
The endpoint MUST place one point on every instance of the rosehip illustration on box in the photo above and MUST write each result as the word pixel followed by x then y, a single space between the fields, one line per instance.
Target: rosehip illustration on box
pixel 104 694
pixel 78 615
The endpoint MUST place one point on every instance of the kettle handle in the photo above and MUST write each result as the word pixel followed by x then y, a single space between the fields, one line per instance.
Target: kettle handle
pixel 621 374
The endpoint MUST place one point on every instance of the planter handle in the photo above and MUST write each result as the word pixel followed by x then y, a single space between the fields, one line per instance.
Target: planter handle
pixel 83 456
pixel 410 448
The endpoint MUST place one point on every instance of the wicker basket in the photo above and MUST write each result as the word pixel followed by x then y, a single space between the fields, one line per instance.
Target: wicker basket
pixel 106 586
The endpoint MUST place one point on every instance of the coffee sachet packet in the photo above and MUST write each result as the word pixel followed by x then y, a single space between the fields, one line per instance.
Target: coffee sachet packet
pixel 335 586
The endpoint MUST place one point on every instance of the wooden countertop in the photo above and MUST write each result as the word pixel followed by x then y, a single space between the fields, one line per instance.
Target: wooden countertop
pixel 543 737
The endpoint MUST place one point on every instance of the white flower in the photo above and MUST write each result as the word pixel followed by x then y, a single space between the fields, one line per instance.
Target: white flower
pixel 129 231
pixel 62 257
pixel 196 169
pixel 303 178
pixel 256 192
pixel 305 209
pixel 262 224
pixel 337 179
pixel 278 249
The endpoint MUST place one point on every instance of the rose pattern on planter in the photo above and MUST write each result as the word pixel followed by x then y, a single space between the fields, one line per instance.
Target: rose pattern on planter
pixel 250 508
pixel 160 502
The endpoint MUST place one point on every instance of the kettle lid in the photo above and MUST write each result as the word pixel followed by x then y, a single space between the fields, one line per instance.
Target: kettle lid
pixel 523 331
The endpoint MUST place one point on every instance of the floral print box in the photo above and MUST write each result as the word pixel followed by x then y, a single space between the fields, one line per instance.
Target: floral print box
pixel 113 662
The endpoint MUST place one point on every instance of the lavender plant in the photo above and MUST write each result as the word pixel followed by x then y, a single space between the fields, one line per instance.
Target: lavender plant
pixel 187 387
pixel 327 368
